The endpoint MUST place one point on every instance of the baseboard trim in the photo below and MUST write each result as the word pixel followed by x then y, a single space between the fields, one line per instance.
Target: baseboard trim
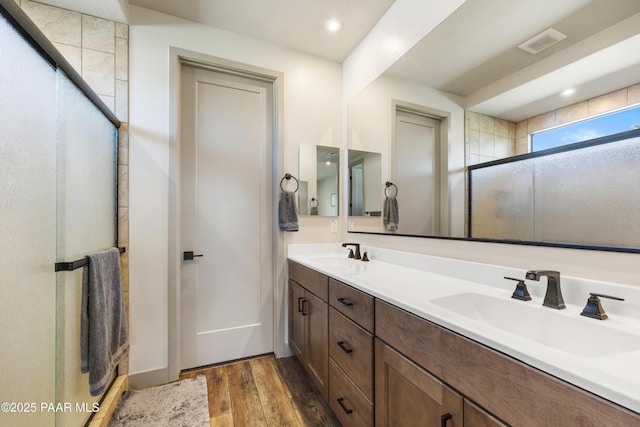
pixel 149 378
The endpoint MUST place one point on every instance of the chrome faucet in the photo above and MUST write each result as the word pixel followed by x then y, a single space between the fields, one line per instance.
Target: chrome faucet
pixel 553 297
pixel 351 254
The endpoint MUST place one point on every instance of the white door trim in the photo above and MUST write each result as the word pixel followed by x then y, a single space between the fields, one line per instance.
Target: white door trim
pixel 177 57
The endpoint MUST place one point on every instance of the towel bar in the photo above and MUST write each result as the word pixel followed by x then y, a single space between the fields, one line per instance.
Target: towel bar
pixel 70 266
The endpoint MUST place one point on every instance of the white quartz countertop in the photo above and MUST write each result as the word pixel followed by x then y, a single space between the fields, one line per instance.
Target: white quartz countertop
pixel 427 286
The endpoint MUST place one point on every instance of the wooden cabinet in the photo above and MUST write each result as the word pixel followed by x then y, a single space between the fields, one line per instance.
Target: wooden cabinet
pixel 407 395
pixel 309 323
pixel 516 393
pixel 422 372
pixel 351 383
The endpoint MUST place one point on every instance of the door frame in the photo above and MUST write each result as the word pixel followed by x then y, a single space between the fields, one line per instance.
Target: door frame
pixel 177 58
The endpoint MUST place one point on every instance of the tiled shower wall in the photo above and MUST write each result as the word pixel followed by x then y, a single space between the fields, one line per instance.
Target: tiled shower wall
pixel 489 138
pixel 98 49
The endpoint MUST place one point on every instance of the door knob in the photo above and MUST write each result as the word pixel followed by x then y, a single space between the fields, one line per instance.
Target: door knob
pixel 189 256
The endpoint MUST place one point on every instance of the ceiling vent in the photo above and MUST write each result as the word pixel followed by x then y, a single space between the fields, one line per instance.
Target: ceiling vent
pixel 542 41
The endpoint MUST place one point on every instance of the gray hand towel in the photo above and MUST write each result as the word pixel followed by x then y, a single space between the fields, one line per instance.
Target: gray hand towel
pixel 287 213
pixel 103 327
pixel 391 218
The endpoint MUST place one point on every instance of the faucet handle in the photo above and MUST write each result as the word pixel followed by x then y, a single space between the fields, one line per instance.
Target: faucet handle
pixel 350 253
pixel 521 292
pixel 594 308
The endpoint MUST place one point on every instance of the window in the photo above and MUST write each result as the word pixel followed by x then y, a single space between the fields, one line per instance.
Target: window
pixel 609 124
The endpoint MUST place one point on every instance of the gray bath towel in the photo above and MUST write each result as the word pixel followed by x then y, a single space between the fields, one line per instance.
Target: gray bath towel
pixel 103 327
pixel 287 213
pixel 390 218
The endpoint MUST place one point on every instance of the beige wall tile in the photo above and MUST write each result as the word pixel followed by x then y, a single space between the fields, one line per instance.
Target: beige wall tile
pixel 474 141
pixel 98 69
pixel 501 127
pixel 633 94
pixel 521 129
pixel 608 102
pixel 123 186
pixel 17 2
pixel 522 145
pixel 486 124
pixel 73 54
pixel 474 159
pixel 504 147
pixel 98 34
pixel 572 113
pixel 512 130
pixel 122 59
pixel 109 101
pixel 122 30
pixel 122 100
pixel 123 144
pixel 543 121
pixel 473 120
pixel 487 144
pixel 59 25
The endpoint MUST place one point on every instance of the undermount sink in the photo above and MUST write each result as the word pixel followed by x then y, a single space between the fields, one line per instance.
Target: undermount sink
pixel 345 265
pixel 581 337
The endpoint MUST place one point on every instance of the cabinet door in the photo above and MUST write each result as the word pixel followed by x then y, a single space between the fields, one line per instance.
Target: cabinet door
pixel 407 395
pixel 316 314
pixel 296 320
pixel 475 416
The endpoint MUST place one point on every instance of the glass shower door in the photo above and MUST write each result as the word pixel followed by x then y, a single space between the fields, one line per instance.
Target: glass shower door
pixel 86 218
pixel 27 232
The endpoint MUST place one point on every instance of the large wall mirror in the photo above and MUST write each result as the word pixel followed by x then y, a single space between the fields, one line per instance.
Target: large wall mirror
pixel 484 81
pixel 318 192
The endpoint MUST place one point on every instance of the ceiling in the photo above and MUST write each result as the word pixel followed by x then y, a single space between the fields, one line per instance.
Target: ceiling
pixel 296 24
pixel 472 54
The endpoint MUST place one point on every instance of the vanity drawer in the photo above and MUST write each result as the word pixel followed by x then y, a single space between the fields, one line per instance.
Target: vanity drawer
pixel 315 282
pixel 354 304
pixel 351 347
pixel 350 406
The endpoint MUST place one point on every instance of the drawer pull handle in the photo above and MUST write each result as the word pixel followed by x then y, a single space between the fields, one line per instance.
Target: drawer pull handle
pixel 304 307
pixel 344 408
pixel 443 419
pixel 300 304
pixel 345 302
pixel 345 349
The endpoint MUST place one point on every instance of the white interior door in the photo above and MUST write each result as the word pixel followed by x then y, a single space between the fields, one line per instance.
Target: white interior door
pixel 417 173
pixel 226 217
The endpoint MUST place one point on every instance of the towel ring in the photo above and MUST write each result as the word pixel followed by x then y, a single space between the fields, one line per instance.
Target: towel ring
pixel 387 185
pixel 313 203
pixel 288 176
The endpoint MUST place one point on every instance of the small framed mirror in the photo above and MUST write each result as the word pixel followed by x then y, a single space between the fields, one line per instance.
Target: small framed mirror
pixel 319 180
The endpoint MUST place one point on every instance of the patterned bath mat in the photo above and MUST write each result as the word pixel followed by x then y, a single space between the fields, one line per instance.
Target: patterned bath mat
pixel 180 404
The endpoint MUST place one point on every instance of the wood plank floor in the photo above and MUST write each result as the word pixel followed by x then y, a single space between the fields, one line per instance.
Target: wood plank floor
pixel 263 391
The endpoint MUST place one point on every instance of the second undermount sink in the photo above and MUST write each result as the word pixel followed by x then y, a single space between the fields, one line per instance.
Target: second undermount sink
pixel 581 337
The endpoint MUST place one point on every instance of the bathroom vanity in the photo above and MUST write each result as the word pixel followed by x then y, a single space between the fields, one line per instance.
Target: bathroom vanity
pixel 385 342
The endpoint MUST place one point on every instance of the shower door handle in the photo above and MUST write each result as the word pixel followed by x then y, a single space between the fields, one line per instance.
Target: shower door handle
pixel 189 256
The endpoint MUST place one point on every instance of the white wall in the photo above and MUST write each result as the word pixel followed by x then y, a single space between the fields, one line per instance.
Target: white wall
pixel 312 114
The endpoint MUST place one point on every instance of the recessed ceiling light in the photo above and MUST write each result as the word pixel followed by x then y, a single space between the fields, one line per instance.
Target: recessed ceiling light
pixel 568 92
pixel 333 25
